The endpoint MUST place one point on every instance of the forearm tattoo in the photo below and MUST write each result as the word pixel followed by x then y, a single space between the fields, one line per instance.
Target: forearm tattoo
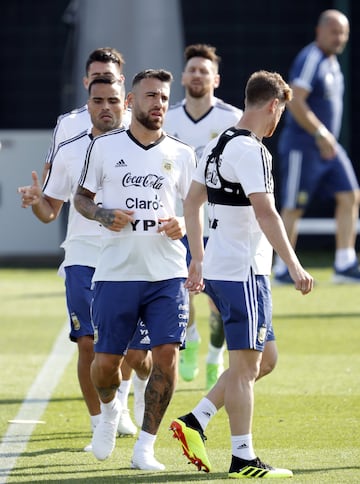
pixel 104 216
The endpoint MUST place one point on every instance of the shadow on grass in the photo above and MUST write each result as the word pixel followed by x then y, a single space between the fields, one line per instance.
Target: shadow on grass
pixel 132 476
pixel 317 315
pixel 135 476
pixel 304 472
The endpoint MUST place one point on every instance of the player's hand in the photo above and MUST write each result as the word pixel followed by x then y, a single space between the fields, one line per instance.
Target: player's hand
pixel 194 283
pixel 172 227
pixel 114 219
pixel 327 146
pixel 304 282
pixel 31 194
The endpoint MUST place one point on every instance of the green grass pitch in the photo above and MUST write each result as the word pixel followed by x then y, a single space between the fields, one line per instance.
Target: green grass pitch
pixel 307 412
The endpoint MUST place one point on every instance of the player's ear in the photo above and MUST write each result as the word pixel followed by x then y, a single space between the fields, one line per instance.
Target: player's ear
pixel 216 81
pixel 129 98
pixel 86 82
pixel 273 105
pixel 182 79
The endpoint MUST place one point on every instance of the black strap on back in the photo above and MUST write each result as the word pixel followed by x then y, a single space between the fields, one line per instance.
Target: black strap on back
pixel 229 193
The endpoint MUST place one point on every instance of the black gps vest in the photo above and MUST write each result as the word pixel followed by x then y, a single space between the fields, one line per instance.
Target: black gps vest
pixel 229 193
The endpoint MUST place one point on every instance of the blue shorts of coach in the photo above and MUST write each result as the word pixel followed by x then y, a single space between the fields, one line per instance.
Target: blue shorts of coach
pixel 118 306
pixel 246 311
pixel 305 174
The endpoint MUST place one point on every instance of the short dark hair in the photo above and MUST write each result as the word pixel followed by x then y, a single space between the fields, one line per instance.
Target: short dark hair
pixel 105 54
pixel 263 86
pixel 202 50
pixel 161 74
pixel 107 80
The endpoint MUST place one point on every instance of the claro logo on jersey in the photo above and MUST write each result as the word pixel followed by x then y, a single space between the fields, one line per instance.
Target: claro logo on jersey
pixel 147 181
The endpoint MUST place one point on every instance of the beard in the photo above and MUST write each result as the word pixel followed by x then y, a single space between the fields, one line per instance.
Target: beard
pixel 197 92
pixel 147 122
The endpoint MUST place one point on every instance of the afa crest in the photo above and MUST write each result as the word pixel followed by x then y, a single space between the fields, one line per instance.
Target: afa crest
pixel 167 165
pixel 261 334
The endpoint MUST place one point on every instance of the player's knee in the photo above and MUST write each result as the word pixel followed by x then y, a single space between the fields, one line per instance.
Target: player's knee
pixel 269 359
pixel 217 336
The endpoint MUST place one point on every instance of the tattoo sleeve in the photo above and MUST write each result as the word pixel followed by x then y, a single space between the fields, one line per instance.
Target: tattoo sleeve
pixel 104 216
pixel 84 203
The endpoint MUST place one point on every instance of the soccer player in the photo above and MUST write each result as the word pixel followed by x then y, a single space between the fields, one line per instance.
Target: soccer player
pixel 83 239
pixel 141 173
pixel 196 120
pixel 103 61
pixel 311 159
pixel 245 228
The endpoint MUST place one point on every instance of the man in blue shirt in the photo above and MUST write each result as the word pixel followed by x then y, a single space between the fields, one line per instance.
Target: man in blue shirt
pixel 311 159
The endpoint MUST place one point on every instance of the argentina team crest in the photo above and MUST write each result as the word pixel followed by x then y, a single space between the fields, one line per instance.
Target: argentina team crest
pixel 261 334
pixel 167 165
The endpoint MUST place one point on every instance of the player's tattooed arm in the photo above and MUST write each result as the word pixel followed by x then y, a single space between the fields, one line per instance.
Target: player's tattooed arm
pixel 112 219
pixel 84 203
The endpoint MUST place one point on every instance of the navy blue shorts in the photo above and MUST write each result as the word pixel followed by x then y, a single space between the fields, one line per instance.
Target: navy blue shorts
pixel 78 300
pixel 141 338
pixel 246 311
pixel 118 306
pixel 304 173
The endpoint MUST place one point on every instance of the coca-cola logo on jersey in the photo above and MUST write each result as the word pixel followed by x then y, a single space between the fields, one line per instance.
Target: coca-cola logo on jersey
pixel 147 181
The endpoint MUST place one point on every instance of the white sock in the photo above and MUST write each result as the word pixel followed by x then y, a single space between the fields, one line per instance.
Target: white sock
pixel 204 411
pixel 109 408
pixel 242 446
pixel 94 419
pixel 123 392
pixel 192 333
pixel 145 441
pixel 139 384
pixel 344 258
pixel 215 355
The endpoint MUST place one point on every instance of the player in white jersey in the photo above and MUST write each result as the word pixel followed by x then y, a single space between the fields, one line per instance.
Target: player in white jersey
pixel 235 177
pixel 83 238
pixel 197 119
pixel 141 270
pixel 103 61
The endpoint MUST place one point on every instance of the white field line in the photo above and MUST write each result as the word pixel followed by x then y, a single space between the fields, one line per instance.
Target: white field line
pixel 18 434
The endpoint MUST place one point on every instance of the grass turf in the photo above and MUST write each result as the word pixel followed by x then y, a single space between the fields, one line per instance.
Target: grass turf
pixel 307 412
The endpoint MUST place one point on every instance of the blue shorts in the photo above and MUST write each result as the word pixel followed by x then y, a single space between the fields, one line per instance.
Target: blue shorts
pixel 304 173
pixel 118 306
pixel 78 300
pixel 246 311
pixel 141 338
pixel 185 241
